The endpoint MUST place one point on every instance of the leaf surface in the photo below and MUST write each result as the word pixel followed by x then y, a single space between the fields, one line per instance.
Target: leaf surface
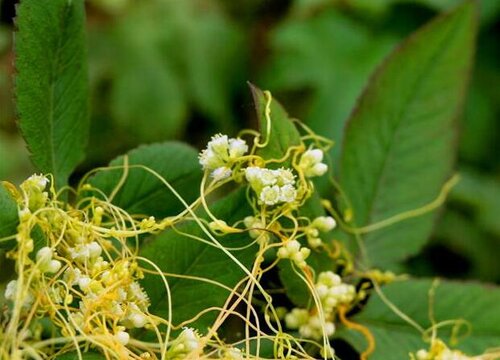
pixel 399 143
pixel 142 192
pixel 8 216
pixel 283 133
pixel 178 254
pixel 51 85
pixel 474 303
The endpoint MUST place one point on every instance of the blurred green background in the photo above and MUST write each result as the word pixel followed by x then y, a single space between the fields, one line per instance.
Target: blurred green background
pixel 177 69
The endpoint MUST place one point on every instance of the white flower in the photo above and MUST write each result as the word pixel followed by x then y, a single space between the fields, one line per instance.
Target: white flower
pixel 288 193
pixel 270 195
pixel 313 328
pixel 292 250
pixel 45 262
pixel 285 177
pixel 317 170
pixel 233 354
pixel 268 177
pixel 221 173
pixel 314 242
pixel 324 223
pixel 84 282
pixel 252 174
pixel 311 157
pixel 39 181
pixel 296 318
pixel 189 339
pixel 137 319
pixel 332 291
pixel 44 255
pixel 310 163
pixel 237 148
pixel 10 290
pixel 222 151
pixel 123 337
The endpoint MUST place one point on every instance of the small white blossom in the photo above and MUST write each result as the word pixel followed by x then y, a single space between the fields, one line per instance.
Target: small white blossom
pixel 123 337
pixel 45 262
pixel 270 195
pixel 10 290
pixel 332 291
pixel 309 326
pixel 288 193
pixel 310 163
pixel 221 173
pixel 237 148
pixel 296 318
pixel 39 181
pixel 324 223
pixel 189 339
pixel 292 250
pixel 221 154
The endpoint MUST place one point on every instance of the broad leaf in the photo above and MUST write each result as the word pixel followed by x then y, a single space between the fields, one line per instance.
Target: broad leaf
pixel 8 216
pixel 177 254
pixel 283 132
pixel 399 142
pixel 474 303
pixel 144 193
pixel 322 62
pixel 51 83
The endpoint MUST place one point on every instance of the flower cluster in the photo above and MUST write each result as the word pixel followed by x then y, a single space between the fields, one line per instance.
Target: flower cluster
pixel 294 251
pixel 45 262
pixel 320 224
pixel 311 163
pixel 439 351
pixel 332 292
pixel 221 154
pixel 33 188
pixel 187 342
pixel 272 186
pixel 81 270
pixel 309 325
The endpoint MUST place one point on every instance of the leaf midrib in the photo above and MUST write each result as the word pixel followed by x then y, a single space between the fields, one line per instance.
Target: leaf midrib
pixel 53 81
pixel 417 85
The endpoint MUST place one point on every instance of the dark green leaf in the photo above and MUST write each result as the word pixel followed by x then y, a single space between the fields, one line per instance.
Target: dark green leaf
pixel 474 303
pixel 323 62
pixel 178 254
pixel 52 84
pixel 283 132
pixel 399 143
pixel 8 216
pixel 143 193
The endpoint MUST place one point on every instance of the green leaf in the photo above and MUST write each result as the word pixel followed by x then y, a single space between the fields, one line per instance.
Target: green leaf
pixel 283 132
pixel 395 338
pixel 52 84
pixel 143 193
pixel 142 80
pixel 178 254
pixel 8 216
pixel 322 63
pixel 399 143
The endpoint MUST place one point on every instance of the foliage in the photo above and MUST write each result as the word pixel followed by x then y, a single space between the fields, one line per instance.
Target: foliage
pixel 290 241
